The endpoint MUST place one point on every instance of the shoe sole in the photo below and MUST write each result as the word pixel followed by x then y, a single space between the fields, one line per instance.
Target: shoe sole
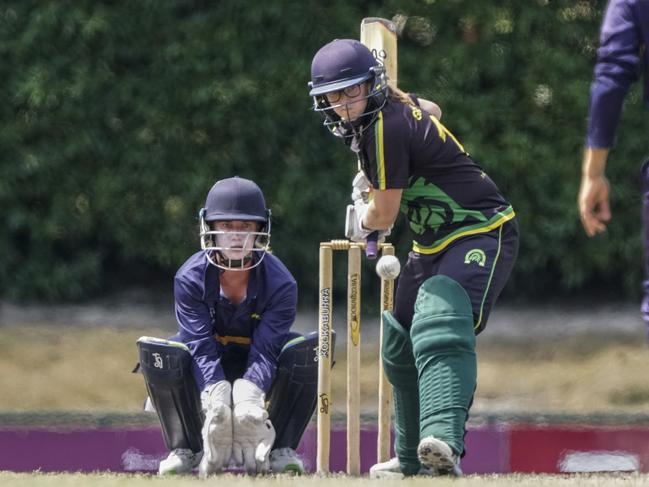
pixel 431 455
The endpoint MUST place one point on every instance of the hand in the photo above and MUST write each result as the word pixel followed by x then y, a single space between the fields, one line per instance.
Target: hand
pixel 216 400
pixel 254 434
pixel 354 229
pixel 361 188
pixel 594 209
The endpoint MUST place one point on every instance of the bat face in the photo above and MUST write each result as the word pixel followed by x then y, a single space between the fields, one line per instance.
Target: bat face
pixel 380 36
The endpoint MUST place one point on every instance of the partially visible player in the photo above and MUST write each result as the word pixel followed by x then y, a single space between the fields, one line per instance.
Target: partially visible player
pixel 234 382
pixel 465 242
pixel 624 38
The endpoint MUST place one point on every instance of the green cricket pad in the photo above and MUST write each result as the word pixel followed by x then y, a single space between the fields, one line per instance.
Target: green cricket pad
pixel 399 366
pixel 443 343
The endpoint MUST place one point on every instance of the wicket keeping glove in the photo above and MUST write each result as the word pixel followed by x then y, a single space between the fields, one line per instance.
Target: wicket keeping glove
pixel 216 400
pixel 254 434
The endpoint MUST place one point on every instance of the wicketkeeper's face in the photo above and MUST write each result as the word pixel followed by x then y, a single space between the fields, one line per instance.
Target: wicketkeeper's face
pixel 235 238
pixel 350 103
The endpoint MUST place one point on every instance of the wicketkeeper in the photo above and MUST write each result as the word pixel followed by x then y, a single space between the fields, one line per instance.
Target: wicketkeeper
pixel 234 383
pixel 465 242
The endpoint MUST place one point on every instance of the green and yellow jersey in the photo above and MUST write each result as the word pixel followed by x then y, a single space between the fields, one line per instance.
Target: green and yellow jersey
pixel 446 194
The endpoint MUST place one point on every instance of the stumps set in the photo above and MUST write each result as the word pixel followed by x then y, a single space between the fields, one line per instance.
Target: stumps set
pixel 325 326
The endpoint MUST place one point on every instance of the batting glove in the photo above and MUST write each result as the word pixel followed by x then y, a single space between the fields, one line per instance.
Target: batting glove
pixel 354 229
pixel 361 188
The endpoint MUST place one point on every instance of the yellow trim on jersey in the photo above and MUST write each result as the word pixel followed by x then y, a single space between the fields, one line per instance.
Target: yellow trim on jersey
pixel 224 340
pixel 380 156
pixel 502 217
pixel 491 276
pixel 443 132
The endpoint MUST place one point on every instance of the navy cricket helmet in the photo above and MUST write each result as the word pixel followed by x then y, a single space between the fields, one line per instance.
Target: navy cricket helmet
pixel 235 199
pixel 341 64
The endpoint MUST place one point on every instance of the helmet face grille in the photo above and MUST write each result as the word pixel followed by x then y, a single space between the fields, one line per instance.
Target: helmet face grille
pixel 234 251
pixel 376 99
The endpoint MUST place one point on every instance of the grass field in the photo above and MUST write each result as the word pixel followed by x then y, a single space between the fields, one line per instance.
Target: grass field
pixel 88 369
pixel 117 480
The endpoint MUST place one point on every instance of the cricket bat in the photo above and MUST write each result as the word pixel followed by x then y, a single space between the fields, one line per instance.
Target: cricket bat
pixel 380 36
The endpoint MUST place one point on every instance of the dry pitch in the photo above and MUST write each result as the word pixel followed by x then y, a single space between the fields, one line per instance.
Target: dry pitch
pixel 113 480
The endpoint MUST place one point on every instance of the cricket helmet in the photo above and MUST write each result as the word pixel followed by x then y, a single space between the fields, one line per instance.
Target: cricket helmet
pixel 235 199
pixel 341 64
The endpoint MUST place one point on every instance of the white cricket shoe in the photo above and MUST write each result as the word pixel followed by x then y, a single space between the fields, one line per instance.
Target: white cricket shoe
pixel 179 461
pixel 286 460
pixel 392 470
pixel 438 456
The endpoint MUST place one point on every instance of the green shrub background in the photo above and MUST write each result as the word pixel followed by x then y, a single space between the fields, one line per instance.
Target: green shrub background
pixel 117 117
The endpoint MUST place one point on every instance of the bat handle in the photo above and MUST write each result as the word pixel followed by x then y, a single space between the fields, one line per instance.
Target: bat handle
pixel 371 248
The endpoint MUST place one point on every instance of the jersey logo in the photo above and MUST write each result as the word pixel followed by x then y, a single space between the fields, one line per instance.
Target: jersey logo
pixel 416 113
pixel 477 256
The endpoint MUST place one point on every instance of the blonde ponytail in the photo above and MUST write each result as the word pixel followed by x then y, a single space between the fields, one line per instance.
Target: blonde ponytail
pixel 396 94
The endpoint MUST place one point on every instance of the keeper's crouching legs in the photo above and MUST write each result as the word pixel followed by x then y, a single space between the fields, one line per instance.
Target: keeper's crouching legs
pixel 292 400
pixel 166 368
pixel 444 348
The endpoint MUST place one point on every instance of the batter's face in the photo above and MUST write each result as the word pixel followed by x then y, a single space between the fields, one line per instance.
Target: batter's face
pixel 236 240
pixel 350 103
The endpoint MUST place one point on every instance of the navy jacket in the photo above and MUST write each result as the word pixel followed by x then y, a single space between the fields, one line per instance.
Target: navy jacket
pixel 216 331
pixel 623 40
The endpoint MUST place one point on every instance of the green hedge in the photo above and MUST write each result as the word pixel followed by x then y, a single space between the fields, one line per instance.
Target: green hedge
pixel 119 116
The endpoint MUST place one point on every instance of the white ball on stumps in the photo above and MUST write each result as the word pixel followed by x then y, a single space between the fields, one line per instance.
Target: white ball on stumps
pixel 388 267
